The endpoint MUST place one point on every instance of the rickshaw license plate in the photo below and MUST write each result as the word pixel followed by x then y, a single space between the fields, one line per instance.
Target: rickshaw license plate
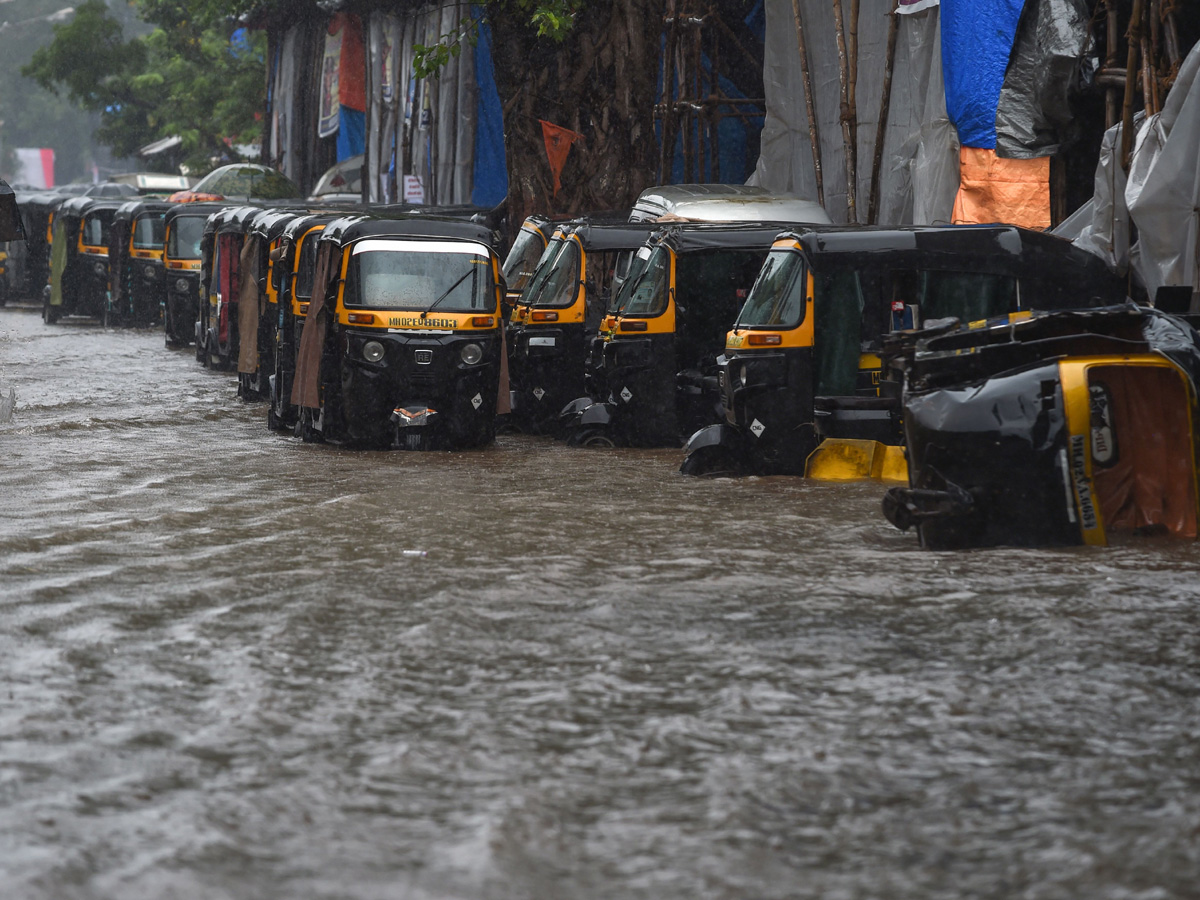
pixel 541 342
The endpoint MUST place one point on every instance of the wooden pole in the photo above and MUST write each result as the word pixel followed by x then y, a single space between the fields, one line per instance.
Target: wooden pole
pixel 814 135
pixel 1111 111
pixel 1131 61
pixel 666 156
pixel 885 102
pixel 845 114
pixel 852 89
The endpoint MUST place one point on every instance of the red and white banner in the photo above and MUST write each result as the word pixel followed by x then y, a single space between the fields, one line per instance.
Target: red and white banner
pixel 35 166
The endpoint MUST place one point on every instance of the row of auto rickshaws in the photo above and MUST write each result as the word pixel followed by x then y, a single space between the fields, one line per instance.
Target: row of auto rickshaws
pixel 991 372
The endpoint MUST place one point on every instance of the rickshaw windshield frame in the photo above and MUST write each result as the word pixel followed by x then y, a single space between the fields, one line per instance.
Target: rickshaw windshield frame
pixel 522 263
pixel 647 295
pixel 418 275
pixel 560 287
pixel 777 300
pixel 155 224
pixel 542 271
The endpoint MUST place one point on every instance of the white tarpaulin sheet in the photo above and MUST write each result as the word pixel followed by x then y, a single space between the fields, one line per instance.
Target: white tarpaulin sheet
pixel 919 175
pixel 1160 194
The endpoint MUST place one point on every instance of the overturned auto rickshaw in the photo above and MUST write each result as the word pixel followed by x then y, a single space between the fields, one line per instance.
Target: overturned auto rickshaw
pixel 403 344
pixel 802 363
pixel 1062 428
pixel 293 273
pixel 653 377
pixel 79 273
pixel 183 230
pixel 221 247
pixel 552 326
pixel 135 254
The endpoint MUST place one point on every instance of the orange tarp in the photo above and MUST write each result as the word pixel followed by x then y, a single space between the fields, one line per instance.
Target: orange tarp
pixel 992 189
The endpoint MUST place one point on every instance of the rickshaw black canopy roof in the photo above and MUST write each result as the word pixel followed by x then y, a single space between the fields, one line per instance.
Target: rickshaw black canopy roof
pixel 349 229
pixel 130 210
pixel 600 236
pixel 271 223
pixel 689 237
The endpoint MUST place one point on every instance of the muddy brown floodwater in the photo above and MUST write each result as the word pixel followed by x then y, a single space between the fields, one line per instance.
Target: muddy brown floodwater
pixel 223 677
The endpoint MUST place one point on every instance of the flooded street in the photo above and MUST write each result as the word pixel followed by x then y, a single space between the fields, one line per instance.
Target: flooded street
pixel 227 675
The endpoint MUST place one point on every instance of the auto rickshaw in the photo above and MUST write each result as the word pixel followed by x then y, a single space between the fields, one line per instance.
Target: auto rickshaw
pixel 135 253
pixel 29 265
pixel 1063 428
pixel 79 276
pixel 221 246
pixel 294 272
pixel 183 228
pixel 403 344
pixel 802 361
pixel 524 255
pixel 258 302
pixel 659 343
pixel 549 335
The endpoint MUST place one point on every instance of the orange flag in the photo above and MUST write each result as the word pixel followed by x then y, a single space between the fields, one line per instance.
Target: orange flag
pixel 558 145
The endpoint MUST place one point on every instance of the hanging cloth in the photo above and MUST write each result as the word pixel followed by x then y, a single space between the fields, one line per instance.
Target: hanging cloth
pixel 558 145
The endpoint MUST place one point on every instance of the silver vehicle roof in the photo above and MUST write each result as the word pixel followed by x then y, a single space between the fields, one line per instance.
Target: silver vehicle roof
pixel 725 203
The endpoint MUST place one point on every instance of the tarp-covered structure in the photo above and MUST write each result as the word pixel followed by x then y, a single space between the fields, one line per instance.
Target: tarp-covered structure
pixel 342 84
pixel 1158 197
pixel 972 95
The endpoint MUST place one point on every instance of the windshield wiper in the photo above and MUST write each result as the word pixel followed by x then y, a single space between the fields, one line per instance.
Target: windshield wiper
pixel 446 293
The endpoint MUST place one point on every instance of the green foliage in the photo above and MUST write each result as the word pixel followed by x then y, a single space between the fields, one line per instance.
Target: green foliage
pixel 184 78
pixel 551 19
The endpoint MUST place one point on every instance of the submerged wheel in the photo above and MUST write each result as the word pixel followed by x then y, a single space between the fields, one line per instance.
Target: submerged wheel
pixel 49 313
pixel 711 462
pixel 599 438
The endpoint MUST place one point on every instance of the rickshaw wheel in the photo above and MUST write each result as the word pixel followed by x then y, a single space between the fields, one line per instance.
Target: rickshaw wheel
pixel 49 313
pixel 598 438
pixel 710 462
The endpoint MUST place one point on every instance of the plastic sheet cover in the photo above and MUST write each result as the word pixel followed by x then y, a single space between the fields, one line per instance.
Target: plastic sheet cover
pixel 977 40
pixel 1101 226
pixel 919 175
pixel 1163 190
pixel 1033 115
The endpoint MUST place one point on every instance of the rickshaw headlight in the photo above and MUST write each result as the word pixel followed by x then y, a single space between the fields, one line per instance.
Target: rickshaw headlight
pixel 181 285
pixel 739 374
pixel 372 351
pixel 148 271
pixel 98 268
pixel 471 354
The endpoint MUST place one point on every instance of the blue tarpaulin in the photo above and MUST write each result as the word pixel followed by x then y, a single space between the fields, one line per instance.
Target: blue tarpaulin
pixel 977 40
pixel 352 133
pixel 491 172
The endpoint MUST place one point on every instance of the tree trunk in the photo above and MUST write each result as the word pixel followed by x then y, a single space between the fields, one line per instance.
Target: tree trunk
pixel 600 82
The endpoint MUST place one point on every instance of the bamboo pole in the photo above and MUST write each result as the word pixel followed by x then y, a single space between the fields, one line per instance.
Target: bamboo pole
pixel 1131 62
pixel 885 103
pixel 845 112
pixel 667 149
pixel 814 136
pixel 1110 62
pixel 852 88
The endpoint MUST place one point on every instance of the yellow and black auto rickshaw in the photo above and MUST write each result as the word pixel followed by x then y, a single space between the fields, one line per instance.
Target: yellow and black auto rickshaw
pixel 552 326
pixel 183 229
pixel 79 274
pixel 656 361
pixel 258 301
pixel 523 256
pixel 802 361
pixel 403 343
pixel 1063 428
pixel 135 254
pixel 293 272
pixel 221 246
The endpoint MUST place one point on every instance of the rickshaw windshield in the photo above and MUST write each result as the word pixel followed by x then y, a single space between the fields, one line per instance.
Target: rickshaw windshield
pixel 646 295
pixel 561 286
pixel 634 269
pixel 419 275
pixel 186 232
pixel 777 298
pixel 148 232
pixel 306 269
pixel 522 259
pixel 541 272
pixel 94 231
